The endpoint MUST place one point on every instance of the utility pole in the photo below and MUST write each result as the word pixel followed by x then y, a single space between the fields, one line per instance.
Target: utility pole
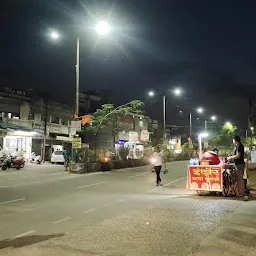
pixel 77 76
pixel 45 128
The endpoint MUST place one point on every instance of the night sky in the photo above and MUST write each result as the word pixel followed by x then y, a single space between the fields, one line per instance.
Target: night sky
pixel 205 47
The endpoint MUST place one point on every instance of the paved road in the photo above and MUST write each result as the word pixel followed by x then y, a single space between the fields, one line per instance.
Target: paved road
pixel 45 211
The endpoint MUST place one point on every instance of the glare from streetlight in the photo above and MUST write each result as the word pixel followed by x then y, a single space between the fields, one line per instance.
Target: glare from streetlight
pixel 151 94
pixel 203 135
pixel 102 28
pixel 252 128
pixel 55 35
pixel 228 123
pixel 177 91
pixel 213 118
pixel 200 110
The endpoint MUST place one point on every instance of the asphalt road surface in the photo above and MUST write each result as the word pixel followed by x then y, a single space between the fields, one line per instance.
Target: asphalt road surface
pixel 46 211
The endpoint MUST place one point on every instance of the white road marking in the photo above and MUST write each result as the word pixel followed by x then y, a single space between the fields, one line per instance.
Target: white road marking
pixel 108 204
pixel 61 220
pixel 25 234
pixel 39 206
pixel 13 201
pixel 174 181
pixel 137 175
pixel 121 200
pixel 88 211
pixel 90 185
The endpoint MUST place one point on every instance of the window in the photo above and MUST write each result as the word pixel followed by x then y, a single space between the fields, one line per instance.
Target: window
pixel 58 153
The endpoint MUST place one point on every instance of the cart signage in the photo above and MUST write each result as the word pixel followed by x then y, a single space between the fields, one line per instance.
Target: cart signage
pixel 206 178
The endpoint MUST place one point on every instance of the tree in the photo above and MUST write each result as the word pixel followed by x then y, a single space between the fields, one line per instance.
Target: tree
pixel 223 136
pixel 157 137
pixel 108 113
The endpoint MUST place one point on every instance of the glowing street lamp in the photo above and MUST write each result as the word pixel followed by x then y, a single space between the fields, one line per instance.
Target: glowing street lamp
pixel 213 118
pixel 54 35
pixel 177 91
pixel 151 94
pixel 103 28
pixel 200 110
pixel 228 123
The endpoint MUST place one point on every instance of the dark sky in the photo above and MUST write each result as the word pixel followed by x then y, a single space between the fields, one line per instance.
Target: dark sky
pixel 205 47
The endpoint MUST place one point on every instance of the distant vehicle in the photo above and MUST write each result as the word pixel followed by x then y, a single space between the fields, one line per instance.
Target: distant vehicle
pixel 36 158
pixel 16 162
pixel 58 157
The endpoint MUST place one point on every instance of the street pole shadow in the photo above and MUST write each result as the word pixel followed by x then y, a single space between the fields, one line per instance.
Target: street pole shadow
pixel 26 240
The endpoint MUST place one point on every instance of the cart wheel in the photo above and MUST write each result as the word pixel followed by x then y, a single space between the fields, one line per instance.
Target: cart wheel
pixel 227 184
pixel 200 192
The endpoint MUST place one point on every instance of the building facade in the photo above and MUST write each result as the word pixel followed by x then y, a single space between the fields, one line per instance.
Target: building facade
pixel 22 113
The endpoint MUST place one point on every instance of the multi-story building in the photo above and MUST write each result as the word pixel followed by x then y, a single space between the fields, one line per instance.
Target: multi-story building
pixel 26 119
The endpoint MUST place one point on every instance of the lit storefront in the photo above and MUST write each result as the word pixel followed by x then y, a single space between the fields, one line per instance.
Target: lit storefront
pixel 131 141
pixel 17 138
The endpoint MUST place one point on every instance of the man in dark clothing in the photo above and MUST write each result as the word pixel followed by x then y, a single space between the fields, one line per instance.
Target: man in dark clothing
pixel 238 159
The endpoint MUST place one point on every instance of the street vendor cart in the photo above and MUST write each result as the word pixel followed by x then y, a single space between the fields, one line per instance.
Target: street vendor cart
pixel 212 178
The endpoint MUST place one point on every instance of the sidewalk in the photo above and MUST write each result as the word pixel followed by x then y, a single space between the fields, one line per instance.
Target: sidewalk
pixel 234 237
pixel 252 181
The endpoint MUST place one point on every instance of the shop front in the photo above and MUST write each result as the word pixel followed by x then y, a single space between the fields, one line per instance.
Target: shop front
pixel 133 143
pixel 20 139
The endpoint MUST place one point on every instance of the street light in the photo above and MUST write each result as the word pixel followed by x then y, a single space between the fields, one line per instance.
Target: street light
pixel 176 92
pixel 228 123
pixel 213 118
pixel 103 28
pixel 201 135
pixel 54 35
pixel 200 110
pixel 151 94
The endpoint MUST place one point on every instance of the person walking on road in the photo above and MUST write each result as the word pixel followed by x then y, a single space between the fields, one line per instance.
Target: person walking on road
pixel 238 159
pixel 158 163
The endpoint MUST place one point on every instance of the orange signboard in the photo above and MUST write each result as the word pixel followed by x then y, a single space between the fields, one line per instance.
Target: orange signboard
pixel 206 178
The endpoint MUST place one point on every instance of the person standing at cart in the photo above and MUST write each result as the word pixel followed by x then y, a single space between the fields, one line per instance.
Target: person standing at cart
pixel 238 159
pixel 158 163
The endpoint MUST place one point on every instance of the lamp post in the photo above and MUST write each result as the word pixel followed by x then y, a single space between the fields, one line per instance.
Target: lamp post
pixel 102 28
pixel 200 110
pixel 213 118
pixel 176 92
pixel 201 135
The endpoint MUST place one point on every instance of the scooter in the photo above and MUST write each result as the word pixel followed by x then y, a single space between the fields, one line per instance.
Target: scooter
pixel 13 162
pixel 35 158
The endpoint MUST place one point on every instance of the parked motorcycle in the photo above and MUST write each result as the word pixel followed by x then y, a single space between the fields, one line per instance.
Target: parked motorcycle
pixel 36 158
pixel 13 162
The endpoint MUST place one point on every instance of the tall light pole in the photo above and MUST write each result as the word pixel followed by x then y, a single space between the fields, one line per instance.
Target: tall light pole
pixel 200 110
pixel 213 118
pixel 77 75
pixel 102 28
pixel 176 92
pixel 201 135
